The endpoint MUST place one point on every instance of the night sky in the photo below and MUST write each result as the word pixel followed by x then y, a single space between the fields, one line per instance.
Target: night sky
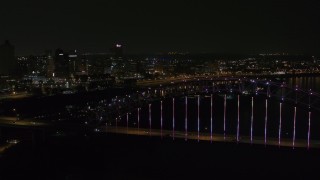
pixel 224 26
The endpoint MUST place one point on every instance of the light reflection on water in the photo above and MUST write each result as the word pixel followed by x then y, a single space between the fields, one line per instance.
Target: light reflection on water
pixel 305 83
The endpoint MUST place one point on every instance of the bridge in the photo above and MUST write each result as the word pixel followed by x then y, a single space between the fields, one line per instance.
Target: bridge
pixel 240 110
pixel 127 111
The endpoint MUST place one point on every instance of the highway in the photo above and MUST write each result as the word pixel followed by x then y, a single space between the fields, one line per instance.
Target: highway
pixel 183 78
pixel 178 79
pixel 15 96
pixel 25 123
pixel 164 81
pixel 6 146
pixel 207 137
pixel 29 123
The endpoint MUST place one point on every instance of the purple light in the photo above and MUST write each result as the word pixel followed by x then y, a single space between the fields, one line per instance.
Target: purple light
pixel 173 118
pixel 161 118
pixel 138 121
pixel 186 118
pixel 280 121
pixel 224 117
pixel 266 123
pixel 127 123
pixel 309 127
pixel 251 128
pixel 198 118
pixel 294 127
pixel 211 138
pixel 150 119
pixel 238 126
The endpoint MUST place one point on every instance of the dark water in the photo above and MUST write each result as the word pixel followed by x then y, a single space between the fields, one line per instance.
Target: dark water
pixel 143 158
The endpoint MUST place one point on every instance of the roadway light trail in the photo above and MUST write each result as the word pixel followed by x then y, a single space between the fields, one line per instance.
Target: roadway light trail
pixel 218 137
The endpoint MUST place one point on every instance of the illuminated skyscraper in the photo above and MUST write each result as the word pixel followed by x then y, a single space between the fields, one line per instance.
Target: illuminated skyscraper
pixel 51 65
pixel 73 62
pixel 61 64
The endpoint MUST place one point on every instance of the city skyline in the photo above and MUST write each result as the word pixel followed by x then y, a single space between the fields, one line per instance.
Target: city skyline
pixel 158 27
pixel 105 89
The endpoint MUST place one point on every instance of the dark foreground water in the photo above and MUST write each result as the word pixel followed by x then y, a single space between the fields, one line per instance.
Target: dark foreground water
pixel 130 157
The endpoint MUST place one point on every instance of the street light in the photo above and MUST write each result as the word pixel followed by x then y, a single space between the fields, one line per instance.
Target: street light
pixel 17 114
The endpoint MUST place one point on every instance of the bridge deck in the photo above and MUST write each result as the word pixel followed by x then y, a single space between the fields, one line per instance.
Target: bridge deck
pixel 207 137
